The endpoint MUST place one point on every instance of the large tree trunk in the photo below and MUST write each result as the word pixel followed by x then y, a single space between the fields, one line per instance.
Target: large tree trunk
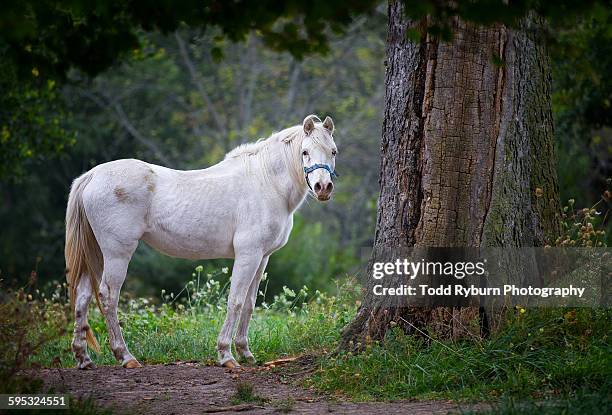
pixel 467 154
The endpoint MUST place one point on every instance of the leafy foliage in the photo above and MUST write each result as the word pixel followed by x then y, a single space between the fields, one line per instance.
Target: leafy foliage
pixel 487 12
pixel 26 327
pixel 585 227
pixel 56 35
pixel 31 121
pixel 582 104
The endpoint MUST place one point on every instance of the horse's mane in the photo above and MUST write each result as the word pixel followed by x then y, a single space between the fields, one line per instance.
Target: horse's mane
pixel 249 149
pixel 287 144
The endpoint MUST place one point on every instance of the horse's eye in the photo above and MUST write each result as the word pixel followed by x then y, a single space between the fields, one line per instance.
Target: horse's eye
pixel 304 153
pixel 334 153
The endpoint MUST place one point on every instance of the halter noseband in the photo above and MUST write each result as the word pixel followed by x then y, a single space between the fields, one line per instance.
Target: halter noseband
pixel 308 170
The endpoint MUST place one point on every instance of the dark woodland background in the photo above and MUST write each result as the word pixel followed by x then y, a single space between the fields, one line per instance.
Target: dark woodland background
pixel 184 98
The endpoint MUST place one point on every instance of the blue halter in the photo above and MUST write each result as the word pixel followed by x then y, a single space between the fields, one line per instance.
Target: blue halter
pixel 308 170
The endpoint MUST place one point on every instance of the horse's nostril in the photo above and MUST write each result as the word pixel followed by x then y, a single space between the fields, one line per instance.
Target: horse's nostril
pixel 329 187
pixel 317 187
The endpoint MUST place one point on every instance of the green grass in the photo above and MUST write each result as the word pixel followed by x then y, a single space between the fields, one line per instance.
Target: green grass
pixel 284 406
pixel 162 334
pixel 540 355
pixel 245 394
pixel 173 336
pixel 580 402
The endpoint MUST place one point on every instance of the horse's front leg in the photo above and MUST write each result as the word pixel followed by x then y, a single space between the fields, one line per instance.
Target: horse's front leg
pixel 243 272
pixel 242 332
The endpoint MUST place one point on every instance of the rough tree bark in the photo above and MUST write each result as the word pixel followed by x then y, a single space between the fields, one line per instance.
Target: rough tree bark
pixel 467 154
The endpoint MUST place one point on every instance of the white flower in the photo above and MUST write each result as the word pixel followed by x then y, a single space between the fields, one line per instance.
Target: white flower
pixel 225 270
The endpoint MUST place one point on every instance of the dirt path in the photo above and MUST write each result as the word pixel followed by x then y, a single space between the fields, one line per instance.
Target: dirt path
pixel 190 388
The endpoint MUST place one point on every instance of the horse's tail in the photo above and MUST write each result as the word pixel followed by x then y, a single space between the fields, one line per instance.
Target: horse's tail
pixel 83 254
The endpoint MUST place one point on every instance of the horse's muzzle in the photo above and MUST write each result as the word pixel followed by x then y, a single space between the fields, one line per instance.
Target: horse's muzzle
pixel 323 191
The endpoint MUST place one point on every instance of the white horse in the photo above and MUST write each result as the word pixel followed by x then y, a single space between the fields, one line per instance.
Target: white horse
pixel 240 208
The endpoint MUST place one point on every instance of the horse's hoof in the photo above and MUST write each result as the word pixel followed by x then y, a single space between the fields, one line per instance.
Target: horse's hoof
pixel 87 365
pixel 132 364
pixel 230 364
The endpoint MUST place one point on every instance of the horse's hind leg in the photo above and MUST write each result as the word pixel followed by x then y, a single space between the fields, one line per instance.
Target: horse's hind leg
pixel 115 269
pixel 79 339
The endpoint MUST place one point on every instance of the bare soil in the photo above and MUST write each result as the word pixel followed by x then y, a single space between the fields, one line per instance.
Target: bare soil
pixel 190 388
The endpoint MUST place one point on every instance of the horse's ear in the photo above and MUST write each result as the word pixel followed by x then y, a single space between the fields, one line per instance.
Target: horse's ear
pixel 328 124
pixel 308 124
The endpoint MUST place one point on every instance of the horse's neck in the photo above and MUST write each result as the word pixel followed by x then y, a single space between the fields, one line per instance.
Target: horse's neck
pixel 282 184
pixel 295 198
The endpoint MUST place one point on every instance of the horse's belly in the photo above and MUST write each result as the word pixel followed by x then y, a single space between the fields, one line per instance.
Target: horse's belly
pixel 189 246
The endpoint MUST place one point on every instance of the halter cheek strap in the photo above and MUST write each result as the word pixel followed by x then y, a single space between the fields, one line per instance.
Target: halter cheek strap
pixel 308 170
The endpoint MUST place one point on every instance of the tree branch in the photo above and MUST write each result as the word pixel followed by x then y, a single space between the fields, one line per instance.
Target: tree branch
pixel 195 79
pixel 128 126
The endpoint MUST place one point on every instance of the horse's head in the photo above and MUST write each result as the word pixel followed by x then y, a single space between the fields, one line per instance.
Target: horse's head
pixel 319 156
